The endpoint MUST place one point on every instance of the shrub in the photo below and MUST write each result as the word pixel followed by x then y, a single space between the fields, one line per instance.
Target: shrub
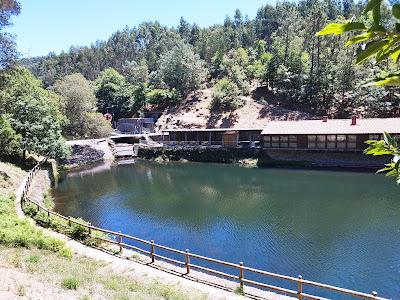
pixel 162 97
pixel 96 126
pixel 226 96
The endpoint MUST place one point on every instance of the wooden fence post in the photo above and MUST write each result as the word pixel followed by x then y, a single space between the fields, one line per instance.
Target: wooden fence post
pixel 241 276
pixel 90 228
pixel 300 288
pixel 69 221
pixel 152 251
pixel 187 260
pixel 120 241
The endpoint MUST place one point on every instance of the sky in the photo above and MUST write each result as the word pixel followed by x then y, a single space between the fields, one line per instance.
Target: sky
pixel 56 25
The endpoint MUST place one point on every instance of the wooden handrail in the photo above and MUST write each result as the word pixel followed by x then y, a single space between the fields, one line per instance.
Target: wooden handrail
pixel 187 255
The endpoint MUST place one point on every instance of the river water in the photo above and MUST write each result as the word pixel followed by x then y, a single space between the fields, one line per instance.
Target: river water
pixel 339 228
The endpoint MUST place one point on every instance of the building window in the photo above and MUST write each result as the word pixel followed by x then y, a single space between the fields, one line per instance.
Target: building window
pixel 351 141
pixel 332 141
pixel 375 137
pixel 321 141
pixel 341 141
pixel 292 141
pixel 280 141
pixel 312 141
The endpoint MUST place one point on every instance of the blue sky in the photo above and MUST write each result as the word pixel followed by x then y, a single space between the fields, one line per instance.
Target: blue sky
pixel 55 25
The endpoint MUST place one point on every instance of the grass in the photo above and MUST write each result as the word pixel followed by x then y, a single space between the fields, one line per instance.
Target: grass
pixel 15 232
pixel 239 291
pixel 48 201
pixel 89 279
pixel 75 231
pixel 70 283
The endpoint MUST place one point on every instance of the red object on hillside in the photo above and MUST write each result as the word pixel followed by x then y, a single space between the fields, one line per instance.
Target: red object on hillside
pixel 108 117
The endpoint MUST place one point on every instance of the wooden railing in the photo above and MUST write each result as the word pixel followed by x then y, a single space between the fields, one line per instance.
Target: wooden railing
pixel 240 269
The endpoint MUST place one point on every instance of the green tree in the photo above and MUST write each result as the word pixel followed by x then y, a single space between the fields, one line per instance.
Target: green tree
pixel 226 96
pixel 114 95
pixel 33 112
pixel 182 69
pixel 78 105
pixel 8 52
pixel 10 141
pixel 136 73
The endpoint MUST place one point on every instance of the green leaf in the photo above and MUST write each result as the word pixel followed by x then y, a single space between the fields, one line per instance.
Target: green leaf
pixel 396 11
pixel 385 51
pixel 376 14
pixel 377 28
pixel 371 49
pixel 372 4
pixel 395 54
pixel 339 28
pixel 360 38
pixel 388 81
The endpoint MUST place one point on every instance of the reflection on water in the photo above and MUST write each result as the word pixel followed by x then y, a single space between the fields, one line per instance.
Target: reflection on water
pixel 333 227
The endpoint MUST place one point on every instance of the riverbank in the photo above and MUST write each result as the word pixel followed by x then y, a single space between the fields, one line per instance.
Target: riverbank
pixel 84 272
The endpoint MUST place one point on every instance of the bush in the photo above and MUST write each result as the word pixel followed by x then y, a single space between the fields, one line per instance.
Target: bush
pixel 162 97
pixel 226 96
pixel 96 126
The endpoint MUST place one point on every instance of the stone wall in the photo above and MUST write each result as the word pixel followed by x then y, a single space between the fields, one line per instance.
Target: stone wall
pixel 221 155
pixel 311 158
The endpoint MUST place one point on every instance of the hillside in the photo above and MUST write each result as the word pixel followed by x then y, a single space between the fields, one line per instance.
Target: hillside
pixel 194 113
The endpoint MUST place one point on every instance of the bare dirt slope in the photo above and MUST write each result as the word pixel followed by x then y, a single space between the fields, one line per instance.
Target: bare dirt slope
pixel 194 113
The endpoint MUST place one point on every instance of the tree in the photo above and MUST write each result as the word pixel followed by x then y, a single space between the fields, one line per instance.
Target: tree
pixel 8 52
pixel 114 95
pixel 182 69
pixel 184 29
pixel 10 141
pixel 136 73
pixel 96 126
pixel 238 18
pixel 78 105
pixel 226 96
pixel 33 112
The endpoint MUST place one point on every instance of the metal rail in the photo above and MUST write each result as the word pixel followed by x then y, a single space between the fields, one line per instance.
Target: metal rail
pixel 299 282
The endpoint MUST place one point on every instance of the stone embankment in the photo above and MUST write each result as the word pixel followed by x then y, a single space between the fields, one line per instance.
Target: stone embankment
pixel 86 152
pixel 220 155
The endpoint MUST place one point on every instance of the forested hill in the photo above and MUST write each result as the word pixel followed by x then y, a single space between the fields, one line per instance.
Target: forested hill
pixel 157 67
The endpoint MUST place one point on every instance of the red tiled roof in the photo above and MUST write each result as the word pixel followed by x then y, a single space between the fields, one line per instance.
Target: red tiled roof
pixel 334 126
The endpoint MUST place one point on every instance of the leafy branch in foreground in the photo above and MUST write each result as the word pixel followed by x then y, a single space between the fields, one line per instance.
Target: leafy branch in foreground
pixel 375 40
pixel 387 146
pixel 380 43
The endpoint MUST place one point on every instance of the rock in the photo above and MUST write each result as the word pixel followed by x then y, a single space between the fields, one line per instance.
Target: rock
pixel 82 154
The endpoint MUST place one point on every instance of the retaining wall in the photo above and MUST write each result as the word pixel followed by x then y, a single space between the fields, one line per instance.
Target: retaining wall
pixel 310 158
